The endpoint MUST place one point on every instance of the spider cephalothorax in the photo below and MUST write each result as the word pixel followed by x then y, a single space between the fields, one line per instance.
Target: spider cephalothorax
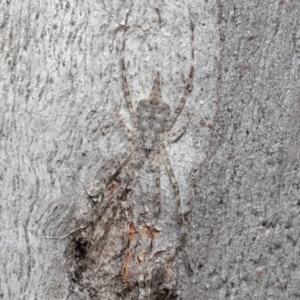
pixel 152 118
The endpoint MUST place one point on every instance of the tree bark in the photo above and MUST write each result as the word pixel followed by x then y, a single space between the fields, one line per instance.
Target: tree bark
pixel 237 164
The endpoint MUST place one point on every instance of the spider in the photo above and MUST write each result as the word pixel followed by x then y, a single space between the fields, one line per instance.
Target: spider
pixel 152 122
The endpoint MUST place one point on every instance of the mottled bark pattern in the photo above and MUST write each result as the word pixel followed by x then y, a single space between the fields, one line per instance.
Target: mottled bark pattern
pixel 237 165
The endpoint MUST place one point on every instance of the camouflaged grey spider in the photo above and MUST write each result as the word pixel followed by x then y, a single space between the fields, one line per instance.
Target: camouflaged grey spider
pixel 152 122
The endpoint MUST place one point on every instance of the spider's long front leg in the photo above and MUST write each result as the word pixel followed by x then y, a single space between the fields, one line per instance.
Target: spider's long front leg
pixel 107 174
pixel 125 82
pixel 174 183
pixel 174 136
pixel 188 85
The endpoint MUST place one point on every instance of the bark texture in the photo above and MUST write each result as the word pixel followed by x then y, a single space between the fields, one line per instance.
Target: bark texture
pixel 237 165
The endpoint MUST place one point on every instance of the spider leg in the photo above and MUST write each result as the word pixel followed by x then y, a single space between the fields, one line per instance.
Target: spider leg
pixel 157 185
pixel 157 202
pixel 188 85
pixel 183 232
pixel 107 173
pixel 128 131
pixel 126 176
pixel 124 78
pixel 129 175
pixel 174 136
pixel 173 181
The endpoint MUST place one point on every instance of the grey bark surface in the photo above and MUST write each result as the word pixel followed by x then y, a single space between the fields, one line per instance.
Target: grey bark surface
pixel 237 165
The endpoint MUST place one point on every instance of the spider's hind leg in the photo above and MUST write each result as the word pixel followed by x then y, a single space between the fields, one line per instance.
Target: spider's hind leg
pixel 174 183
pixel 129 132
pixel 128 176
pixel 106 174
pixel 181 221
pixel 157 201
